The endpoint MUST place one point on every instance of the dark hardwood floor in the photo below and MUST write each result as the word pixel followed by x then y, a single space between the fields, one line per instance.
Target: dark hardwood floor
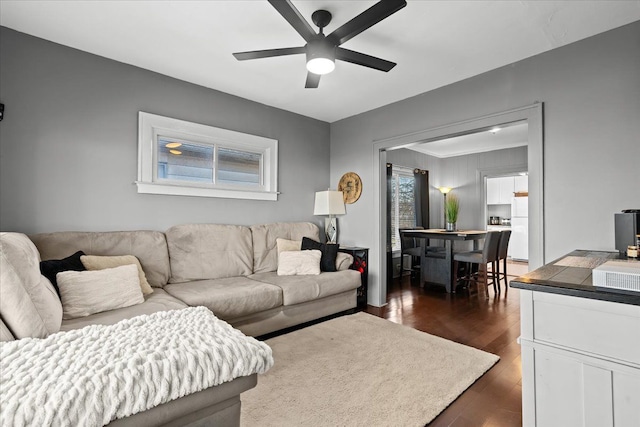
pixel 491 325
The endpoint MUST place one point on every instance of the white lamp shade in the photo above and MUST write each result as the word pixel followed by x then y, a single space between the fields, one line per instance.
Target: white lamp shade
pixel 329 203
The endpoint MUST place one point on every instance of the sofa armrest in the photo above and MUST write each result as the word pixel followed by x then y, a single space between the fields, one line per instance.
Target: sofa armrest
pixel 343 261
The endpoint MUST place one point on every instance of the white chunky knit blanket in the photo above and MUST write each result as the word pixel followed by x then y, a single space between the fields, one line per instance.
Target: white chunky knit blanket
pixel 90 376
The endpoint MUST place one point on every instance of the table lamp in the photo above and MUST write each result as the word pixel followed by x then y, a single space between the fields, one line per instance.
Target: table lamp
pixel 330 203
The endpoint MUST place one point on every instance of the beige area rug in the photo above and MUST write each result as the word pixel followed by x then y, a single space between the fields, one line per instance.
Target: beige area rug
pixel 361 370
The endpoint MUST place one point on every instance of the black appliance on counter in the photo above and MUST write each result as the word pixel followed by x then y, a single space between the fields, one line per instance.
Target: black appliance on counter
pixel 627 225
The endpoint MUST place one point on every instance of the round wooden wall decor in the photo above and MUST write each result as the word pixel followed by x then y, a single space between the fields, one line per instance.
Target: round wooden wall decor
pixel 351 186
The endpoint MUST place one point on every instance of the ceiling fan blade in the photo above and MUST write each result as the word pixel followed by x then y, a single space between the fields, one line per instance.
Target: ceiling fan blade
pixel 366 19
pixel 313 80
pixel 294 18
pixel 364 60
pixel 268 53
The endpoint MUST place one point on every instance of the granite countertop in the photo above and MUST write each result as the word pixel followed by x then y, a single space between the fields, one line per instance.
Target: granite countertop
pixel 571 275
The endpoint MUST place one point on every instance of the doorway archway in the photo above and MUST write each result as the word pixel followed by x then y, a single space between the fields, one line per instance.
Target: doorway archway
pixel 532 114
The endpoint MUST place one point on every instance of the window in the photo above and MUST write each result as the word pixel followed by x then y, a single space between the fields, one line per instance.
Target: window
pixel 182 158
pixel 403 210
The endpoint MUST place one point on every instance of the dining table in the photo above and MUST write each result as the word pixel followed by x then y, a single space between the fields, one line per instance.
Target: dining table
pixel 436 263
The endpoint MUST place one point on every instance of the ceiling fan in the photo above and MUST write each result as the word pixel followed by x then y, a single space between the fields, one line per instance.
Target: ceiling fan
pixel 321 50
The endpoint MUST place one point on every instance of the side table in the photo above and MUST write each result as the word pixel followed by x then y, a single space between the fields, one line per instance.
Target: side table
pixel 361 264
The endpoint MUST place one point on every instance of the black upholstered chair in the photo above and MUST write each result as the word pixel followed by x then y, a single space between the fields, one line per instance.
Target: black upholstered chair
pixel 409 246
pixel 503 247
pixel 488 255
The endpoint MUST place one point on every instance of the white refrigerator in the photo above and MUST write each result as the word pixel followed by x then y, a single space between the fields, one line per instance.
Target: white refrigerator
pixel 519 243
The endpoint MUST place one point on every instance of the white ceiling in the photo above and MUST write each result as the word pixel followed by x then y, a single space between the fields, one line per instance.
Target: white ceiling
pixel 507 136
pixel 435 43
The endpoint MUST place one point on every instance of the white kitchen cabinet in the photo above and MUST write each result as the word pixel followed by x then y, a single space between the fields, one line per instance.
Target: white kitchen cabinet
pixel 506 190
pixel 521 184
pixel 500 190
pixel 493 191
pixel 580 361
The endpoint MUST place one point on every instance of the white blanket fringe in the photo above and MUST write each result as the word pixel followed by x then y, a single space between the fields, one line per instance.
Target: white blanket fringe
pixel 93 375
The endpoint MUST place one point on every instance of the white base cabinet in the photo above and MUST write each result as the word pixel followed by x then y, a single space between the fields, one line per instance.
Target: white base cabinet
pixel 580 361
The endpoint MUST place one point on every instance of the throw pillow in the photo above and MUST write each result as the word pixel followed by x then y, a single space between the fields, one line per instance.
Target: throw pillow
pixel 329 252
pixel 94 262
pixel 288 245
pixel 343 261
pixel 299 263
pixel 50 268
pixel 88 292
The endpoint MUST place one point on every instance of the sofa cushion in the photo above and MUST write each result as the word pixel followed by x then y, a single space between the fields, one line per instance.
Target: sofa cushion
pixel 265 251
pixel 159 300
pixel 87 292
pixel 299 289
pixel 229 297
pixel 29 306
pixel 150 247
pixel 209 251
pixel 97 262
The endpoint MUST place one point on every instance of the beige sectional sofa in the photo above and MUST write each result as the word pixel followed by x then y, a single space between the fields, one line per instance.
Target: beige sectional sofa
pixel 227 268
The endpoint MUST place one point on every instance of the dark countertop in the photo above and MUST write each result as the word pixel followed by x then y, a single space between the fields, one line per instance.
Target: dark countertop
pixel 563 277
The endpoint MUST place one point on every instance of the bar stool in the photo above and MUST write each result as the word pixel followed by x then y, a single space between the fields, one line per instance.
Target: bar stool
pixel 409 246
pixel 503 247
pixel 489 255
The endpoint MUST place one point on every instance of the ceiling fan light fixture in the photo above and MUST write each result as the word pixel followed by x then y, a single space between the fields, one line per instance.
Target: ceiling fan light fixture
pixel 321 66
pixel 321 56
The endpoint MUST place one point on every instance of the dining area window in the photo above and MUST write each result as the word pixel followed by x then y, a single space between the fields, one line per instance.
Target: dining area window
pixel 403 206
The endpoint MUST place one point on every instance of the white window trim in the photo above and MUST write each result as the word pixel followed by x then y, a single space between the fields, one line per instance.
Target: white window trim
pixel 151 125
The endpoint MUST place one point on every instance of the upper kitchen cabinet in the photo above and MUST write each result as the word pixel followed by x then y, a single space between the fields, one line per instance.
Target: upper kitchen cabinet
pixel 500 190
pixel 493 191
pixel 521 184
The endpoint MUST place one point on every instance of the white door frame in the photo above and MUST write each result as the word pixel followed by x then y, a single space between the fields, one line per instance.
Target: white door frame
pixel 533 114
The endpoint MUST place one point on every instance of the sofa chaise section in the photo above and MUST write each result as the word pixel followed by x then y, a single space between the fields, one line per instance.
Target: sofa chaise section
pixel 215 406
pixel 39 312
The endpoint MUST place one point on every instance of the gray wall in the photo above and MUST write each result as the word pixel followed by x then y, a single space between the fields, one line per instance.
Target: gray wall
pixel 591 94
pixel 68 152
